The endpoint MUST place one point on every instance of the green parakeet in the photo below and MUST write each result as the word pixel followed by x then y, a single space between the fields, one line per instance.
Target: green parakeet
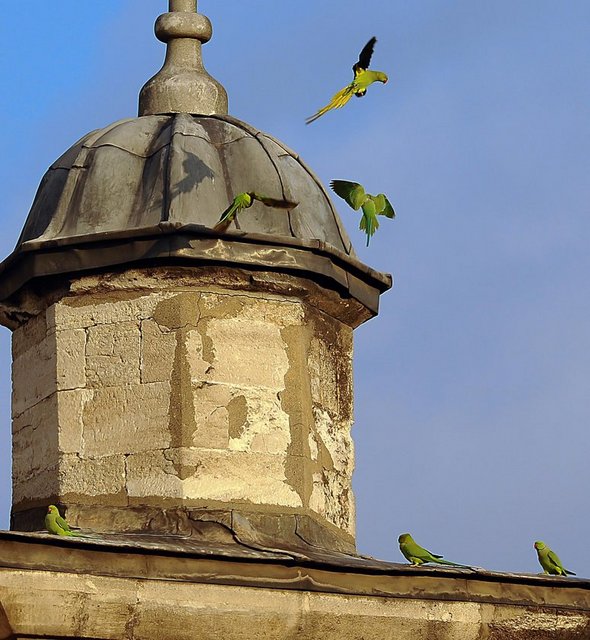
pixel 363 78
pixel 57 525
pixel 550 561
pixel 417 555
pixel 355 196
pixel 245 201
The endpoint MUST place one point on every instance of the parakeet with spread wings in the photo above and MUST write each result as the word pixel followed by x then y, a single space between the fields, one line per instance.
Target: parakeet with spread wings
pixel 355 196
pixel 245 201
pixel 363 78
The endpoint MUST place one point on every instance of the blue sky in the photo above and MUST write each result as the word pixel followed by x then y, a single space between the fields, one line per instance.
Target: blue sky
pixel 473 384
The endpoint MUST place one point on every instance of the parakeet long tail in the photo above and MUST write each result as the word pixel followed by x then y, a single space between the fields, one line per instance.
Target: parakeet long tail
pixel 338 101
pixel 452 564
pixel 369 224
pixel 228 214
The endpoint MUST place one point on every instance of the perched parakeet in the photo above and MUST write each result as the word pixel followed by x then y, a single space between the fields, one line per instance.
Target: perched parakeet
pixel 417 555
pixel 245 201
pixel 354 194
pixel 362 79
pixel 57 525
pixel 550 561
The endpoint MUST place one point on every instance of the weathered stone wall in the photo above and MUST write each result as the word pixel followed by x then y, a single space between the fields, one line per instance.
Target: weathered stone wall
pixel 164 388
pixel 55 603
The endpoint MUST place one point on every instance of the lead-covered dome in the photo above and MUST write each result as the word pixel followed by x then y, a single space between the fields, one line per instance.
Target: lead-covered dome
pixel 149 190
pixel 183 170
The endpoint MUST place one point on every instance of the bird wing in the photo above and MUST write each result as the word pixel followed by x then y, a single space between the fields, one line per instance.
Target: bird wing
pixel 54 527
pixel 352 192
pixel 337 102
pixel 554 558
pixel 273 202
pixel 62 523
pixel 416 551
pixel 240 202
pixel 544 560
pixel 407 550
pixel 365 57
pixel 229 214
pixel 50 524
pixel 387 210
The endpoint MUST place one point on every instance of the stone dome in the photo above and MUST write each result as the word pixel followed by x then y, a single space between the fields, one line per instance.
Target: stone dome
pixel 149 190
pixel 184 170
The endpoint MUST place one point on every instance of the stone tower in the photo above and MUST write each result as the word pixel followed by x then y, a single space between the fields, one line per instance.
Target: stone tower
pixel 185 393
pixel 170 372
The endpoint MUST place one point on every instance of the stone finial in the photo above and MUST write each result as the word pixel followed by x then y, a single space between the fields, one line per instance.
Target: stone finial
pixel 182 85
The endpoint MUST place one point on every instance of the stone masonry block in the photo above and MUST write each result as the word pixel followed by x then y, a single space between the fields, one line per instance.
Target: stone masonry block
pixel 332 497
pixel 70 411
pixel 252 307
pixel 29 334
pixel 34 442
pixel 35 487
pixel 71 347
pixel 237 476
pixel 126 420
pixel 113 355
pixel 260 360
pixel 34 374
pixel 241 419
pixel 158 347
pixel 230 612
pixel 92 477
pixel 214 475
pixel 111 307
pixel 150 474
pixel 45 604
pixel 330 366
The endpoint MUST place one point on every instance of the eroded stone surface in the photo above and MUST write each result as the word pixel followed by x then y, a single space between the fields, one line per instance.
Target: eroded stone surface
pixel 126 419
pixel 184 391
pixel 52 603
pixel 112 354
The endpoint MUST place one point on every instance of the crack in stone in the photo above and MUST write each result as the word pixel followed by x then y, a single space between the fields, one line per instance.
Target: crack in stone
pixel 133 617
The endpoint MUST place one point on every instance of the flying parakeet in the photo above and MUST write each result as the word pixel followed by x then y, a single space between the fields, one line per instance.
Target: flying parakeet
pixel 245 201
pixel 362 79
pixel 549 560
pixel 417 555
pixel 354 194
pixel 57 525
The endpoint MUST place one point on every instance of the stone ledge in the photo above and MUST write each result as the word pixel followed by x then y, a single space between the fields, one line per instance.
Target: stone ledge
pixel 70 588
pixel 181 245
